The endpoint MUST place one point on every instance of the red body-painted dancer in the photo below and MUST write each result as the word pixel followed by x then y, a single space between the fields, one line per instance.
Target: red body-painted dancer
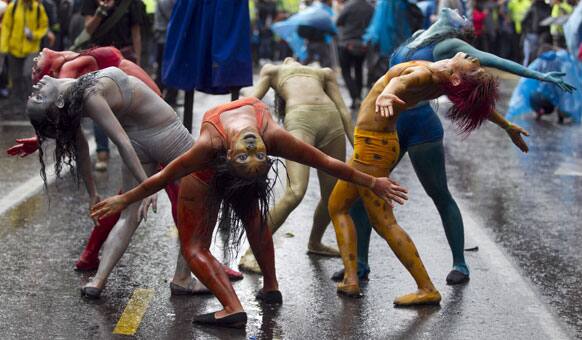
pixel 226 172
pixel 68 64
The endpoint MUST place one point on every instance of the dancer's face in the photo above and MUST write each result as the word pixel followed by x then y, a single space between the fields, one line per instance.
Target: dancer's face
pixel 248 154
pixel 42 64
pixel 464 63
pixel 45 94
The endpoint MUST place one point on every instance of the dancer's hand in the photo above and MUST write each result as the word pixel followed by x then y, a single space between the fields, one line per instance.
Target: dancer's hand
pixel 385 104
pixel 390 190
pixel 94 200
pixel 515 132
pixel 145 205
pixel 25 147
pixel 108 207
pixel 556 78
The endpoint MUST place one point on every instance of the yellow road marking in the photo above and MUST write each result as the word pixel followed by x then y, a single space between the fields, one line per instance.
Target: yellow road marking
pixel 131 318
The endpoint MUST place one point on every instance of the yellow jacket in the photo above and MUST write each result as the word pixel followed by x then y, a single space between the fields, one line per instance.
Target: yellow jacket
pixel 12 38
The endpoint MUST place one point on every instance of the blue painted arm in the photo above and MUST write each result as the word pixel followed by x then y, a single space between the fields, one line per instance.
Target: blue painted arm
pixel 448 48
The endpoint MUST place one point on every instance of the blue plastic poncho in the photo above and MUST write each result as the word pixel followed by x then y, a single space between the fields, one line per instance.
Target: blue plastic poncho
pixel 317 15
pixel 208 46
pixel 568 103
pixel 389 26
pixel 573 30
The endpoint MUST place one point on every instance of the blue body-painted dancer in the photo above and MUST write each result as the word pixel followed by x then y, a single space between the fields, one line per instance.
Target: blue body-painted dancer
pixel 420 133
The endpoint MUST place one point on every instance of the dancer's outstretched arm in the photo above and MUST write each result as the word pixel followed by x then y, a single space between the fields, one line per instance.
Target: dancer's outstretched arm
pixel 514 131
pixel 332 90
pixel 281 143
pixel 448 48
pixel 195 159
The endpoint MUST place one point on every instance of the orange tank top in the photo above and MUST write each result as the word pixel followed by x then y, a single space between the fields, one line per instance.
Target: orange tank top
pixel 212 116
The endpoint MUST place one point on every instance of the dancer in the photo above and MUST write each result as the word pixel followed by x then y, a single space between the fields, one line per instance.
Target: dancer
pixel 68 64
pixel 146 130
pixel 420 133
pixel 473 93
pixel 228 166
pixel 310 105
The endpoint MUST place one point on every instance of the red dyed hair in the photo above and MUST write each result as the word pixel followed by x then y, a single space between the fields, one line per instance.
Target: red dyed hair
pixel 44 65
pixel 473 100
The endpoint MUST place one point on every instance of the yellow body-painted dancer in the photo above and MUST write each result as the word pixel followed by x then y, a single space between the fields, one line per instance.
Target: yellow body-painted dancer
pixel 376 152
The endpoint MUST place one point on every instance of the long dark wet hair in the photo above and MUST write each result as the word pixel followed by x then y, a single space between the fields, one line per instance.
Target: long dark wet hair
pixel 62 125
pixel 473 100
pixel 237 199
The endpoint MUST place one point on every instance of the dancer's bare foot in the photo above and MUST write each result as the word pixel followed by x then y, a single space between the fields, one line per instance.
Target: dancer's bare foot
pixel 349 289
pixel 248 263
pixel 190 287
pixel 233 275
pixel 323 250
pixel 420 297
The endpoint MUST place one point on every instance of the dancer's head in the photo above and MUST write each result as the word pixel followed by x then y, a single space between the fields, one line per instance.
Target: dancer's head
pixel 472 91
pixel 43 64
pixel 247 154
pixel 55 108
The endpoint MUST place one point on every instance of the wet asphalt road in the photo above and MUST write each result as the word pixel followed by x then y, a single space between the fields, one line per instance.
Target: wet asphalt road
pixel 521 210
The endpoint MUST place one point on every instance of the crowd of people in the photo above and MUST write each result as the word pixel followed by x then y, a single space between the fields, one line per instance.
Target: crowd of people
pixel 224 176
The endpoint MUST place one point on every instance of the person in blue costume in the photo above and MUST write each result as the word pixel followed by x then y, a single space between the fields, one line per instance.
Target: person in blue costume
pixel 420 133
pixel 208 46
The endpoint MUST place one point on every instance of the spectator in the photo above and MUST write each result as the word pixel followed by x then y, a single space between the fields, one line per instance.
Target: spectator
pixel 124 33
pixel 24 25
pixel 161 20
pixel 534 34
pixel 559 8
pixel 517 10
pixel 352 23
pixel 479 16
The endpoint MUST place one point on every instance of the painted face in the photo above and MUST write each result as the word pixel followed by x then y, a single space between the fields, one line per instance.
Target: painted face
pixel 42 65
pixel 452 18
pixel 464 63
pixel 44 95
pixel 248 154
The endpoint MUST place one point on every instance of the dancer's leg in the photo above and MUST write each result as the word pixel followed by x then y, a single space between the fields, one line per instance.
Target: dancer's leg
pixel 336 149
pixel 89 259
pixel 119 238
pixel 384 223
pixel 340 201
pixel 261 242
pixel 298 178
pixel 195 230
pixel 428 160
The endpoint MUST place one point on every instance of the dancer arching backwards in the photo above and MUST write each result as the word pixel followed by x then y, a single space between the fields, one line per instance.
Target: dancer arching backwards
pixel 420 133
pixel 376 149
pixel 312 109
pixel 228 166
pixel 145 129
pixel 67 64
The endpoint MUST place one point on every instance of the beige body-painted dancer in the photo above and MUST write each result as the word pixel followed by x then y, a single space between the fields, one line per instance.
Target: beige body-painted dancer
pixel 312 109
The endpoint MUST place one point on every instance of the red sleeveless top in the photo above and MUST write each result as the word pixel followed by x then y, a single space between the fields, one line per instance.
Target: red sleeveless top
pixel 105 56
pixel 212 117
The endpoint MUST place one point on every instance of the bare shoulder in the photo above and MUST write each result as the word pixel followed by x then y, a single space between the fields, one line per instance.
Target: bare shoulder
pixel 269 69
pixel 328 73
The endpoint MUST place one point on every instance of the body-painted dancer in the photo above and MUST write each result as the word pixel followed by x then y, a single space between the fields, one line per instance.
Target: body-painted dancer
pixel 228 165
pixel 376 150
pixel 312 109
pixel 68 64
pixel 145 129
pixel 421 134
